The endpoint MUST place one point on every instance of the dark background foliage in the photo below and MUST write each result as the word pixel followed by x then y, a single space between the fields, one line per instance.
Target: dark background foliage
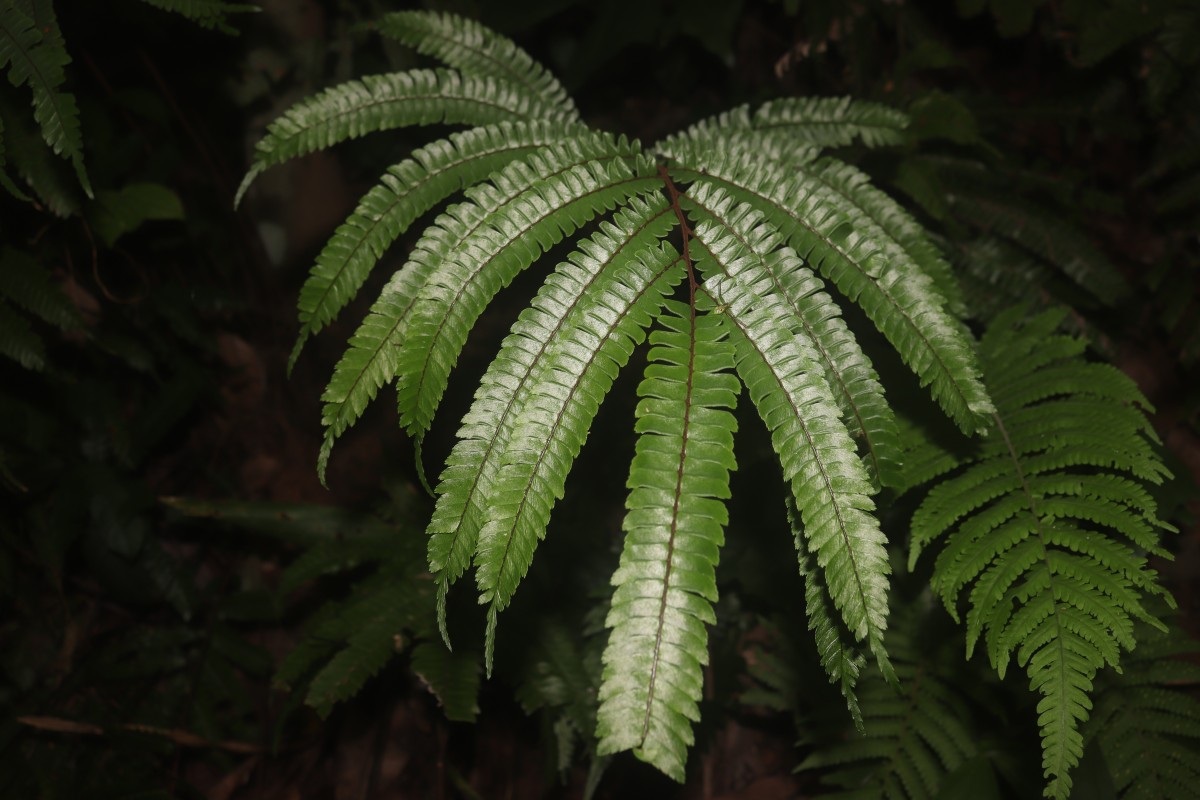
pixel 157 484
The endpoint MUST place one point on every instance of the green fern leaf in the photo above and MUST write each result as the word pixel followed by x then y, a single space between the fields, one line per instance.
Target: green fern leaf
pixel 205 13
pixel 736 233
pixel 557 409
pixel 909 741
pixel 390 101
pixel 453 678
pixel 18 340
pixel 474 50
pixel 666 582
pixel 841 658
pixel 840 240
pixel 406 191
pixel 483 438
pixel 32 52
pixel 5 181
pixel 828 481
pixel 29 285
pixel 374 356
pixel 819 121
pixel 503 245
pixel 1036 530
pixel 1146 722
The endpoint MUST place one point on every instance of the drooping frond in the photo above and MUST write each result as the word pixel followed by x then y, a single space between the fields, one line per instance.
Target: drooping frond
pixel 507 242
pixel 32 53
pixel 666 582
pixel 830 485
pixel 1047 528
pixel 453 678
pixel 1147 719
pixel 839 239
pixel 405 192
pixel 389 101
pixel 819 121
pixel 471 468
pixel 910 740
pixel 894 221
pixel 553 191
pixel 474 50
pixel 29 285
pixel 739 242
pixel 557 408
pixel 18 340
pixel 841 658
pixel 975 195
pixel 205 13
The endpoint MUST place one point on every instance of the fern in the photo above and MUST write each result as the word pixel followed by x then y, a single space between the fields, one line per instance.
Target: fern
pixel 1046 526
pixel 33 54
pixel 205 13
pixel 1146 722
pixel 764 221
pixel 911 740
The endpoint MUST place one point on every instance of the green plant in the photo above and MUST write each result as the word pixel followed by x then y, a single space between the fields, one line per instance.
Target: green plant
pixel 779 251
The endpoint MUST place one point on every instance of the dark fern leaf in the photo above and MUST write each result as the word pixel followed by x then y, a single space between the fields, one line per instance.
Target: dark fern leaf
pixel 1047 528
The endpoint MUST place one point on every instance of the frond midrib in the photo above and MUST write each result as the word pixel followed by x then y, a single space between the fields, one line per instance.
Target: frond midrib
pixel 670 562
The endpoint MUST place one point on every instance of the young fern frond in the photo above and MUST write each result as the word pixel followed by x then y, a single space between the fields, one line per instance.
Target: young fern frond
pixel 473 49
pixel 471 468
pixel 666 582
pixel 33 55
pixel 1036 523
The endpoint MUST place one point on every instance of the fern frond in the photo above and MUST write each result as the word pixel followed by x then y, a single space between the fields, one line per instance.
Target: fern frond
pixel 32 52
pixel 978 199
pixel 909 741
pixel 507 242
pixel 1147 719
pixel 389 101
pixel 5 181
pixel 18 340
pixel 474 50
pixel 841 658
pixel 474 462
pixel 453 678
pixel 1038 539
pixel 29 285
pixel 736 238
pixel 557 409
pixel 205 13
pixel 839 240
pixel 575 173
pixel 813 121
pixel 405 192
pixel 828 480
pixel 666 582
